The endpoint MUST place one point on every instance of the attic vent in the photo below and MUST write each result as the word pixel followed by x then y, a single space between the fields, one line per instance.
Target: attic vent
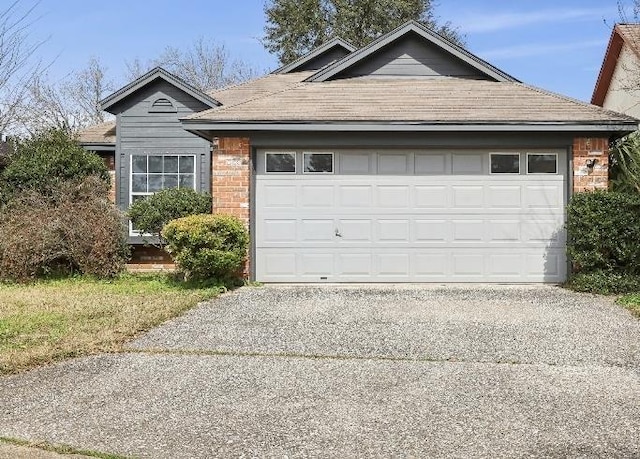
pixel 162 105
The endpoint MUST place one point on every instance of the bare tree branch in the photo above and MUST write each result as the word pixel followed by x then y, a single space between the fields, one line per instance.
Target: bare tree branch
pixel 70 104
pixel 18 68
pixel 205 65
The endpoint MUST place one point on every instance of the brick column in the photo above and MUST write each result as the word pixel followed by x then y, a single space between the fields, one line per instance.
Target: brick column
pixel 230 177
pixel 585 150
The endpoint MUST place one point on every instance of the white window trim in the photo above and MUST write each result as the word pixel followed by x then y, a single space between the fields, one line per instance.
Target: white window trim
pixel 333 162
pixel 132 232
pixel 295 162
pixel 506 154
pixel 542 173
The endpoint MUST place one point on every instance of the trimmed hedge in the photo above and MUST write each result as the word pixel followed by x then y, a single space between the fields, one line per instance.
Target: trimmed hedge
pixel 604 283
pixel 208 246
pixel 604 232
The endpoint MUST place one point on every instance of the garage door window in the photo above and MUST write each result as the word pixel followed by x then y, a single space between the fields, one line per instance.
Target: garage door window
pixel 280 163
pixel 318 163
pixel 505 163
pixel 542 163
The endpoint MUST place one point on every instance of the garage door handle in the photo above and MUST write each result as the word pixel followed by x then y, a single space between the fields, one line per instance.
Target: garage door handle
pixel 338 233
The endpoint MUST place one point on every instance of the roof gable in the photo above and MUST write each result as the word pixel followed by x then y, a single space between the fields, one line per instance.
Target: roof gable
pixel 428 49
pixel 622 34
pixel 158 73
pixel 320 57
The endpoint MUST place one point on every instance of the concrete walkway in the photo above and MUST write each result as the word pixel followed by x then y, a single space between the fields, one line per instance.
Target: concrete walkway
pixel 354 372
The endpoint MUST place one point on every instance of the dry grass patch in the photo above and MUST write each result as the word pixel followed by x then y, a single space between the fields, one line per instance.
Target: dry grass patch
pixel 48 321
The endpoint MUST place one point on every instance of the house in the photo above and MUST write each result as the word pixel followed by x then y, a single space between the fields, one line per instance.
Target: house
pixel 618 84
pixel 408 160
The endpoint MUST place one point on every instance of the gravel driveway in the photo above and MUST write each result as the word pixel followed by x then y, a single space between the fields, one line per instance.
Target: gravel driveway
pixel 351 371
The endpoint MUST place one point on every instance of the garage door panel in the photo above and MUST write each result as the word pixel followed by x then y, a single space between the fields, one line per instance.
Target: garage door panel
pixel 280 230
pixel 355 265
pixel 431 266
pixel 468 265
pixel 468 196
pixel 280 196
pixel 545 231
pixel 431 230
pixel 410 265
pixel 359 196
pixel 467 164
pixel 505 196
pixel 430 164
pixel 545 197
pixel 444 219
pixel 430 196
pixel 358 163
pixel 393 231
pixel 504 230
pixel 316 265
pixel 315 196
pixel 394 196
pixel 468 230
pixel 393 164
pixel 506 265
pixel 315 230
pixel 393 264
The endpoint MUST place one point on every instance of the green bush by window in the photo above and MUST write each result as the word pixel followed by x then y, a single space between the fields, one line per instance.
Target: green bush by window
pixel 151 214
pixel 604 241
pixel 208 246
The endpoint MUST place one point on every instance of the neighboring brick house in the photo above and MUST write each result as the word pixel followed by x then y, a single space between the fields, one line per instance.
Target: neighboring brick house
pixel 618 85
pixel 408 160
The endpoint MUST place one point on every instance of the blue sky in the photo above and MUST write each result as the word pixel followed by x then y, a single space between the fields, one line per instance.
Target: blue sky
pixel 557 45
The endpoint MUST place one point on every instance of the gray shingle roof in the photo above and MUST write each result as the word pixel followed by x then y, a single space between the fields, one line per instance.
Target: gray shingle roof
pixel 261 87
pixel 397 100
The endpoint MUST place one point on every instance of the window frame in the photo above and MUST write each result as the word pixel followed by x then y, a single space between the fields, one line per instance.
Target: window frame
pixel 491 155
pixel 291 153
pixel 333 162
pixel 555 155
pixel 132 232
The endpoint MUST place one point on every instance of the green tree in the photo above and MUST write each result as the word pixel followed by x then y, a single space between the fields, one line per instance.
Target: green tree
pixel 294 27
pixel 41 163
pixel 625 164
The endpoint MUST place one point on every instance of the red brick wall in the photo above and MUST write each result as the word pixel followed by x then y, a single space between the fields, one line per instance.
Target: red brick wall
pixel 230 177
pixel 585 178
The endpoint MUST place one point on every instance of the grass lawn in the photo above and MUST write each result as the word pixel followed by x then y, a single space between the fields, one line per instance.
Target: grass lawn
pixel 52 320
pixel 631 302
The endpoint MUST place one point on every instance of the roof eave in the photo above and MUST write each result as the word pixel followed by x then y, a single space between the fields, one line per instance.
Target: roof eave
pixel 202 126
pixel 608 68
pixel 317 52
pixel 411 26
pixel 148 78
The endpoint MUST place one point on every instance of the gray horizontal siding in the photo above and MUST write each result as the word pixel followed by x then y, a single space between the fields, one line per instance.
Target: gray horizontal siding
pixel 143 131
pixel 413 57
pixel 324 59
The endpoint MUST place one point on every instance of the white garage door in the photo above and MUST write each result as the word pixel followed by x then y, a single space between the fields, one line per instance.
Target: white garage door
pixel 410 216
